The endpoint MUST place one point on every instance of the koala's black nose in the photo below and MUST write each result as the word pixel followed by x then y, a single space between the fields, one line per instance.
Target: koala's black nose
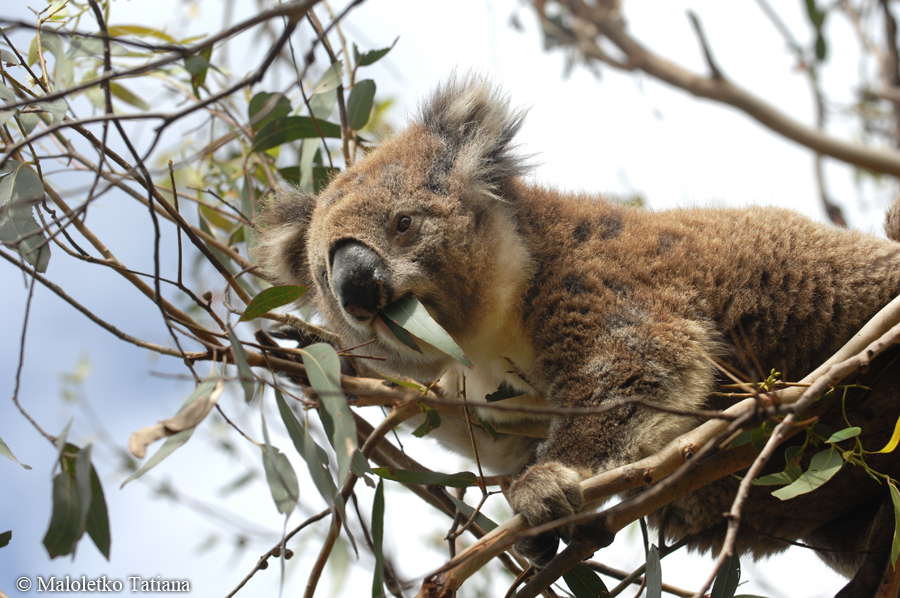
pixel 360 280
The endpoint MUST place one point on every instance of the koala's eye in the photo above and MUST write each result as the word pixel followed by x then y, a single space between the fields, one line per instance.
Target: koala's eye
pixel 325 276
pixel 403 224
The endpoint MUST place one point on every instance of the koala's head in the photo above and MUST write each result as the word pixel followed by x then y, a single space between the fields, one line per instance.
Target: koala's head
pixel 424 214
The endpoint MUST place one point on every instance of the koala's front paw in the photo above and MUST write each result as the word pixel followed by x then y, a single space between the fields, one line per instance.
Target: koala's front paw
pixel 544 493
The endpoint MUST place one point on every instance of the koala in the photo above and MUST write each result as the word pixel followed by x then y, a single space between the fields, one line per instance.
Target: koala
pixel 574 300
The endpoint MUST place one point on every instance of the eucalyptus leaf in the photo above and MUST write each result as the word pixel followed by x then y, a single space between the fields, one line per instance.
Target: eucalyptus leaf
pixel 20 189
pixel 6 452
pixel 411 315
pixel 505 391
pixel 727 579
pixel 359 104
pixel 248 381
pixel 265 107
pixel 202 393
pixel 822 468
pixel 291 128
pixel 653 575
pixel 279 474
pixel 372 56
pixel 583 582
pixel 467 511
pixel 271 298
pixel 5 538
pixel 895 544
pixel 432 422
pixel 844 434
pixel 323 367
pixel 64 530
pixel 462 479
pixel 378 540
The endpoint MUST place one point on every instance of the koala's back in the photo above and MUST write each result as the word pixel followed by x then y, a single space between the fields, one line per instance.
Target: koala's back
pixel 767 285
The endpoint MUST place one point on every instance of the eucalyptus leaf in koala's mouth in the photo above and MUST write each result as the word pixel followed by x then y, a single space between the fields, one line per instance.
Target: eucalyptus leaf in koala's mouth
pixel 411 318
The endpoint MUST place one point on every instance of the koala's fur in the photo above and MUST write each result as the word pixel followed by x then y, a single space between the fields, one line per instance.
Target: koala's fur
pixel 576 301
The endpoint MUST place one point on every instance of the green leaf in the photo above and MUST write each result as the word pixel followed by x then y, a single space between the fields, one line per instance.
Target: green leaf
pixel 198 66
pixel 323 367
pixel 411 315
pixel 4 450
pixel 8 57
pixel 653 575
pixel 584 583
pixel 20 189
pixel 404 383
pixel 432 422
pixel 271 298
pixel 57 109
pixel 291 128
pixel 822 468
pixel 83 484
pixel 359 105
pixel 331 78
pixel 266 107
pixel 279 473
pixel 203 391
pixel 378 540
pixel 895 545
pixel 248 381
pixel 128 96
pixel 123 30
pixel 773 479
pixel 316 458
pixel 467 511
pixel 759 434
pixel 64 530
pixel 402 335
pixel 371 56
pixel 505 391
pixel 98 516
pixel 216 219
pixel 484 423
pixel 281 478
pixel 5 538
pixel 727 579
pixel 844 434
pixel 462 479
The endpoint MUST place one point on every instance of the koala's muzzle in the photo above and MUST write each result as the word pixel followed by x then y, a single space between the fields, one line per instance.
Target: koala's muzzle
pixel 360 280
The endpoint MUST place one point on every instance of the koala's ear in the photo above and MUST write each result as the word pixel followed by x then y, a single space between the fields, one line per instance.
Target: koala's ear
pixel 283 223
pixel 476 122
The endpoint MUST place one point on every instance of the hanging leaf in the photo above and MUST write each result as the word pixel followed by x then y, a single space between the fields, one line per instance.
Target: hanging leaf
pixel 279 474
pixel 201 395
pixel 727 579
pixel 4 450
pixel 892 443
pixel 432 422
pixel 270 299
pixel 20 189
pixel 323 366
pixel 411 315
pixel 895 545
pixel 468 511
pixel 63 533
pixel 248 380
pixel 331 78
pixel 359 105
pixel 402 335
pixel 5 538
pixel 462 479
pixel 585 583
pixel 378 540
pixel 653 576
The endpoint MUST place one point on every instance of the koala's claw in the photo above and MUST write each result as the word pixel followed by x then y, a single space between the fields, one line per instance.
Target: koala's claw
pixel 544 493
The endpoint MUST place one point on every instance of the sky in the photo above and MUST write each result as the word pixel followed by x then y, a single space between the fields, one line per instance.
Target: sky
pixel 616 133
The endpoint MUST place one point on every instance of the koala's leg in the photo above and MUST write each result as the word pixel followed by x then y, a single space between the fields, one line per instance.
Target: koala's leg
pixel 655 363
